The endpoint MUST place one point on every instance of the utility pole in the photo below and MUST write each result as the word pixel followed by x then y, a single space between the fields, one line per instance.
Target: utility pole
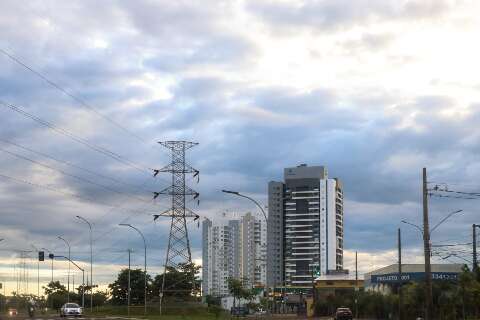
pixel 129 289
pixel 91 260
pixel 426 246
pixel 83 276
pixel 474 243
pixel 356 285
pixel 68 276
pixel 178 250
pixel 145 265
pixel 400 295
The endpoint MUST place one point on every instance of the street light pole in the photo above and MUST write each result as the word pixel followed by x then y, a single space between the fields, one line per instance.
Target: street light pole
pixel 83 277
pixel 400 294
pixel 413 225
pixel 129 290
pixel 436 226
pixel 236 193
pixel 145 266
pixel 426 233
pixel 68 275
pixel 91 261
pixel 247 197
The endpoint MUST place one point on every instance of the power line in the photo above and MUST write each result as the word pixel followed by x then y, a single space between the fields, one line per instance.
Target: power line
pixel 437 189
pixel 84 142
pixel 140 187
pixel 49 188
pixel 454 197
pixel 451 245
pixel 74 97
pixel 97 221
pixel 91 200
pixel 72 175
pixel 115 226
pixel 73 165
pixel 462 184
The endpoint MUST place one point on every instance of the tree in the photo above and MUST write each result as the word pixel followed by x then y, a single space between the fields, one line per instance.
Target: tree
pixel 180 282
pixel 235 287
pixel 469 292
pixel 119 288
pixel 56 294
pixel 238 291
pixel 54 287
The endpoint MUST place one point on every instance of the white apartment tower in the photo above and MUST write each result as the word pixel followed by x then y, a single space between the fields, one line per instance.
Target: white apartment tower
pixel 233 248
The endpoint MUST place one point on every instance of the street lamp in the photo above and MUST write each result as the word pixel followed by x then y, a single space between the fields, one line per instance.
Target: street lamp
pixel 437 225
pixel 145 269
pixel 444 219
pixel 236 193
pixel 247 197
pixel 91 261
pixel 83 278
pixel 413 225
pixel 68 275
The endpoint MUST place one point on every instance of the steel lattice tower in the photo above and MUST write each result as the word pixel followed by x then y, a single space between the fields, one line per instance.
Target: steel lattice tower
pixel 178 250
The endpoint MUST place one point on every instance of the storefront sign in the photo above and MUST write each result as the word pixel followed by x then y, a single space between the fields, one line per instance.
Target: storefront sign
pixel 413 276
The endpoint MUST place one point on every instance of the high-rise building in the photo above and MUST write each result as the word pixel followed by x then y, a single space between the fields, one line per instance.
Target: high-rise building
pixel 233 248
pixel 305 226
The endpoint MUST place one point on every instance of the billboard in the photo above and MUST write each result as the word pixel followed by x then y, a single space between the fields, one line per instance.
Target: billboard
pixel 413 276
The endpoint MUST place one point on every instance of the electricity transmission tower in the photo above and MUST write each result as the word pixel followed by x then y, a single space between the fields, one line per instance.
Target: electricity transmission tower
pixel 178 250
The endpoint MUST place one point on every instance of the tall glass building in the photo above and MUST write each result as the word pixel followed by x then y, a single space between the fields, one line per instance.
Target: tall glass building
pixel 305 226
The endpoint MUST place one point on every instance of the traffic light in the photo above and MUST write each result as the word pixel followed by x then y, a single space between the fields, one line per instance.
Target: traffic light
pixel 41 256
pixel 51 256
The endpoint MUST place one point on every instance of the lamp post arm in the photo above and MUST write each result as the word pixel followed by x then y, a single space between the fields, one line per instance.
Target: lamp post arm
pixel 444 219
pixel 256 202
pixel 413 225
pixel 76 265
pixel 141 234
pixel 66 242
pixel 85 220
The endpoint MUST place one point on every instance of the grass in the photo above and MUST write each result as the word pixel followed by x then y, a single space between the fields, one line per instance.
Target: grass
pixel 169 312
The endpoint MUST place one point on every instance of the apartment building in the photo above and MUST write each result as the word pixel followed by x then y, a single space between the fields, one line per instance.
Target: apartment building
pixel 305 226
pixel 234 248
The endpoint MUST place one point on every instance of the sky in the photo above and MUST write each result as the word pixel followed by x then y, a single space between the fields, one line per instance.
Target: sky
pixel 374 90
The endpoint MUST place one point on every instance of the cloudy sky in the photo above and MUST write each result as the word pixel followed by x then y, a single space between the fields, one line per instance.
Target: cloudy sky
pixel 373 89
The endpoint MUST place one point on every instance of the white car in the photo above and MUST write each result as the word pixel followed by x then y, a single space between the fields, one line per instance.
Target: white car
pixel 71 309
